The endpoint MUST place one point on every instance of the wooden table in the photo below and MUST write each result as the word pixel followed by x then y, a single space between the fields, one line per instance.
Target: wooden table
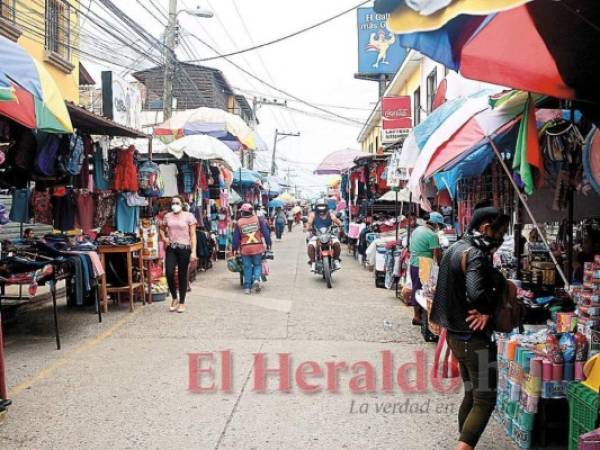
pixel 131 287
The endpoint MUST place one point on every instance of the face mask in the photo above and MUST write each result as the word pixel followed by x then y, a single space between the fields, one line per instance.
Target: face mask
pixel 176 208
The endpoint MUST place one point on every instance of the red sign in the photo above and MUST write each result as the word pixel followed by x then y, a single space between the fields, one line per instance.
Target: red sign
pixel 396 112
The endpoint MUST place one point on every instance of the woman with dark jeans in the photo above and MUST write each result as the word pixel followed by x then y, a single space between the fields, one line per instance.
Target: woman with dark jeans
pixel 178 232
pixel 464 303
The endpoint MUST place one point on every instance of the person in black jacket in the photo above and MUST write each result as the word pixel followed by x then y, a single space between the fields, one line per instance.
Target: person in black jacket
pixel 464 304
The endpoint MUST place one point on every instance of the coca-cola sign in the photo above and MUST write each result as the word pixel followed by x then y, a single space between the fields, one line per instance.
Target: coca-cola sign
pixel 396 112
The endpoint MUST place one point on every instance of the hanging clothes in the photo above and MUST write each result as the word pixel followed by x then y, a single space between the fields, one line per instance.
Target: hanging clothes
pixel 126 217
pixel 101 173
pixel 20 208
pixel 126 176
pixel 85 211
pixel 105 209
pixel 169 176
pixel 64 211
pixel 42 207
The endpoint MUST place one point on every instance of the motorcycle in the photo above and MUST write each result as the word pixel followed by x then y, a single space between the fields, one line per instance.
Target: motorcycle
pixel 324 254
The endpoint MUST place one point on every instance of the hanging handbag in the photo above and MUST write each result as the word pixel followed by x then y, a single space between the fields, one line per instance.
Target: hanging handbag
pixel 445 364
pixel 561 142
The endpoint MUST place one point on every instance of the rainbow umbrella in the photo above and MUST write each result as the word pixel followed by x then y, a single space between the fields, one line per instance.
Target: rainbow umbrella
pixel 37 101
pixel 547 47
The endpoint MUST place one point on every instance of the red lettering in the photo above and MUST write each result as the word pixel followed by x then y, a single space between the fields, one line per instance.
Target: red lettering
pixel 314 370
pixel 260 372
pixel 362 382
pixel 226 371
pixel 195 373
pixel 387 369
pixel 332 375
pixel 402 378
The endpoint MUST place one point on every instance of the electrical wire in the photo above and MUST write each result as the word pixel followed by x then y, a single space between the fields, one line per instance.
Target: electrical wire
pixel 286 37
pixel 281 91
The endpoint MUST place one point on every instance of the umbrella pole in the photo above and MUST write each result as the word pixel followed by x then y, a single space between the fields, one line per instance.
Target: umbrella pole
pixel 396 213
pixel 523 201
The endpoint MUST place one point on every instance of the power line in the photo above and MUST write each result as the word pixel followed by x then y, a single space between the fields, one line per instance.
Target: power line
pixel 298 99
pixel 283 38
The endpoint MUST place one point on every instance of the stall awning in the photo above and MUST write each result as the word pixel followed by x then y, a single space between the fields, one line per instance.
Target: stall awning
pixel 91 123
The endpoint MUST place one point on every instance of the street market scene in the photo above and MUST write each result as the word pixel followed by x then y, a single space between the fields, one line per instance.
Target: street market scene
pixel 279 225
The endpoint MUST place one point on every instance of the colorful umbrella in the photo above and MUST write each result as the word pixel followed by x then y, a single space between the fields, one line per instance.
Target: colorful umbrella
pixel 39 102
pixel 338 161
pixel 206 148
pixel 548 47
pixel 214 122
pixel 276 203
pixel 7 94
pixel 245 177
pixel 419 15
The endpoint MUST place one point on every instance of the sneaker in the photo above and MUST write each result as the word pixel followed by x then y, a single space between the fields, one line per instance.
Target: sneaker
pixel 337 265
pixel 247 291
pixel 174 305
pixel 256 287
pixel 181 308
pixel 313 267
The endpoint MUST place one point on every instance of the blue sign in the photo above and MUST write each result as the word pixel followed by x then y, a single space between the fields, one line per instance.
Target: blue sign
pixel 379 52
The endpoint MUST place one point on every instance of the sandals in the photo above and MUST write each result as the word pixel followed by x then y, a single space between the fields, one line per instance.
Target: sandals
pixel 174 305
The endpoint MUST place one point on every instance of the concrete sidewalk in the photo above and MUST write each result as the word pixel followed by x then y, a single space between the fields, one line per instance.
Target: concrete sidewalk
pixel 124 383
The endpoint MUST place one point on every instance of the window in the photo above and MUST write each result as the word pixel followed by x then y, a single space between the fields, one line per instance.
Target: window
pixel 58 28
pixel 417 107
pixel 7 10
pixel 431 88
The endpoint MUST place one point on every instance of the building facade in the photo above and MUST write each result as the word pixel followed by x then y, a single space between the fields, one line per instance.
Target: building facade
pixel 48 30
pixel 417 78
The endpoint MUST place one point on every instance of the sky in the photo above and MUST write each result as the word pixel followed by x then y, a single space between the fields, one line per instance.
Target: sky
pixel 317 66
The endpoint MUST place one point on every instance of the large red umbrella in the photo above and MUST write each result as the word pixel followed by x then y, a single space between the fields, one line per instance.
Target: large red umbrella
pixel 548 47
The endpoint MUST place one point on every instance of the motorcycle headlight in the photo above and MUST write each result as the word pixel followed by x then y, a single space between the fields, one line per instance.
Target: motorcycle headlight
pixel 324 238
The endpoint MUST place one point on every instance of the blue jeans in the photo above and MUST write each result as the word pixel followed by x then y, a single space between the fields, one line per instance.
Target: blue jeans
pixel 252 269
pixel 279 227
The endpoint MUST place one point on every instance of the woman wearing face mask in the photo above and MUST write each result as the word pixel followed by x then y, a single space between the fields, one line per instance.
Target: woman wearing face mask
pixel 464 304
pixel 178 232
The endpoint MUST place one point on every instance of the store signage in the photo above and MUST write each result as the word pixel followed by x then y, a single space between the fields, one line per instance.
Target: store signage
pixel 396 118
pixel 379 52
pixel 121 100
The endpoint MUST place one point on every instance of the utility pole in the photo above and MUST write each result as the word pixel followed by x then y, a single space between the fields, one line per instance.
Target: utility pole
pixel 256 104
pixel 275 140
pixel 169 61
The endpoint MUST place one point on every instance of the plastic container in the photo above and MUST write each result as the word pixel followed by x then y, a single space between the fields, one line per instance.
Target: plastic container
pixel 583 412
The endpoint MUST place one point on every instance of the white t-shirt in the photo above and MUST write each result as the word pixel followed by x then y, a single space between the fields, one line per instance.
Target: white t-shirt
pixel 169 176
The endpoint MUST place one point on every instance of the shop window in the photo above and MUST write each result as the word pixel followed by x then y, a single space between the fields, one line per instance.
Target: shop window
pixel 58 37
pixel 417 107
pixel 8 26
pixel 431 88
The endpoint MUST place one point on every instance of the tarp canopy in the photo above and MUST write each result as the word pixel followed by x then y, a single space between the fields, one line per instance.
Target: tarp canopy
pixel 390 196
pixel 245 177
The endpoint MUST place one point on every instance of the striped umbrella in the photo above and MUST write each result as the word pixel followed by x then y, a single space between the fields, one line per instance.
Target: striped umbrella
pixel 547 47
pixel 37 101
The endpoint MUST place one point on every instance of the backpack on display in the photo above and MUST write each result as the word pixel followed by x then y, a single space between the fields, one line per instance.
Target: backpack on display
pixel 24 150
pixel 149 180
pixel 71 159
pixel 49 146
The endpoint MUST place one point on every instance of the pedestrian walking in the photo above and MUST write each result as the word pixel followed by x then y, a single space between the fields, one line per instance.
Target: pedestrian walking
pixel 250 235
pixel 280 221
pixel 178 232
pixel 424 242
pixel 464 303
pixel 290 220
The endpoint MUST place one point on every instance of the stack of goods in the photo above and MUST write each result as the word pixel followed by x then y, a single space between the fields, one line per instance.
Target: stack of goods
pixel 531 369
pixel 587 298
pixel 160 289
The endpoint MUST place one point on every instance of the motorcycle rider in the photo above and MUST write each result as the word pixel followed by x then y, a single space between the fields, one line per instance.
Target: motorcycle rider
pixel 248 236
pixel 322 218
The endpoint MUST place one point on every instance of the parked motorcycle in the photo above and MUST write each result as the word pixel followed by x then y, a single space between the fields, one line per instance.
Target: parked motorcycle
pixel 324 254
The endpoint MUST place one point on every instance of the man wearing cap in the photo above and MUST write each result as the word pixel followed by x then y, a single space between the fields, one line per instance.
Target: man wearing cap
pixel 248 236
pixel 424 242
pixel 464 303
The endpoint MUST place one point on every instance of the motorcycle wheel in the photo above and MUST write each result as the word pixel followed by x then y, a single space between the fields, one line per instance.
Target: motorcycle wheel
pixel 327 271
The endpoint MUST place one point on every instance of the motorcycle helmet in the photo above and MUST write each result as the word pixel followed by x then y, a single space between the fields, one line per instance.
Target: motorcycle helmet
pixel 246 210
pixel 321 207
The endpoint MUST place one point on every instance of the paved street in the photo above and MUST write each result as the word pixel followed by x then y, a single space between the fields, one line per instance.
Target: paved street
pixel 124 383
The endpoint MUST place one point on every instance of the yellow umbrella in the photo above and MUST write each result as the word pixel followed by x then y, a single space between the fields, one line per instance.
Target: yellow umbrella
pixel 407 20
pixel 287 197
